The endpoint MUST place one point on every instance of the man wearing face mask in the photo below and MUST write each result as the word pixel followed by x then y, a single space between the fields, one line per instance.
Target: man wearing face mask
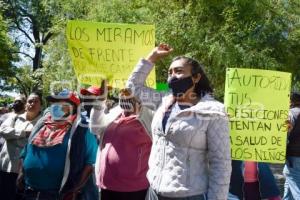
pixel 19 104
pixel 58 160
pixel 18 107
pixel 125 148
pixel 88 96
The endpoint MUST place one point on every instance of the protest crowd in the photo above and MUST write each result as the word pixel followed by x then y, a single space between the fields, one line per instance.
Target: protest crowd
pixel 146 145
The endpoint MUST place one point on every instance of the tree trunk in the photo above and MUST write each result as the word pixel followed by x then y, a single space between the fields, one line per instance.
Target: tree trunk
pixel 37 58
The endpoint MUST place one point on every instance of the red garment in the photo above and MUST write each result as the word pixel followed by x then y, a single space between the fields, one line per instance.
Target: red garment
pixel 251 187
pixel 275 198
pixel 53 132
pixel 250 173
pixel 124 156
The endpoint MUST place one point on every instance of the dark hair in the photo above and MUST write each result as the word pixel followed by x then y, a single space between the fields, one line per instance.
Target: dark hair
pixel 295 99
pixel 39 95
pixel 203 86
pixel 75 107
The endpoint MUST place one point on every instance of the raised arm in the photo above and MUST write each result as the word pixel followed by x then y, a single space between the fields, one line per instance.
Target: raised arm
pixel 97 118
pixel 149 97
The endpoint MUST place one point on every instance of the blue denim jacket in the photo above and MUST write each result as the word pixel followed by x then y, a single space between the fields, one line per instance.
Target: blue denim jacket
pixel 267 184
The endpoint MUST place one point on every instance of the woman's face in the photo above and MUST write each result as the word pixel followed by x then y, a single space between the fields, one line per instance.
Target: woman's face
pixel 61 110
pixel 33 104
pixel 67 108
pixel 179 69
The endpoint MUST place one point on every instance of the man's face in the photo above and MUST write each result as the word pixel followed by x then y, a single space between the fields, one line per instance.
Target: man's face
pixel 18 105
pixel 88 101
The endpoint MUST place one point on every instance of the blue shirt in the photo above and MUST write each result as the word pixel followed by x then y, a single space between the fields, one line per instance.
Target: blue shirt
pixel 44 167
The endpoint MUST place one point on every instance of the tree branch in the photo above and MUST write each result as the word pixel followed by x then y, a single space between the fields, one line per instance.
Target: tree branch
pixel 48 36
pixel 25 13
pixel 28 19
pixel 35 32
pixel 27 55
pixel 25 33
pixel 14 16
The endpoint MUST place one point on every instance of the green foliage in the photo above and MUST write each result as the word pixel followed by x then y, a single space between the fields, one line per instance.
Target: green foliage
pixel 58 71
pixel 5 46
pixel 37 22
pixel 5 100
pixel 7 58
pixel 26 80
pixel 246 33
pixel 261 34
pixel 220 34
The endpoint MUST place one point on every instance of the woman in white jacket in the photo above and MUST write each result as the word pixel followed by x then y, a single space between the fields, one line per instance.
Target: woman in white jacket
pixel 190 155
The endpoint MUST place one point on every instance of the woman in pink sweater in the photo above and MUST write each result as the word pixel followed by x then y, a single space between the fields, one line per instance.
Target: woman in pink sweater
pixel 125 148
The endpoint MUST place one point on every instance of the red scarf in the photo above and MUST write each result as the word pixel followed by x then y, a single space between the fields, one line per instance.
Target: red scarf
pixel 53 132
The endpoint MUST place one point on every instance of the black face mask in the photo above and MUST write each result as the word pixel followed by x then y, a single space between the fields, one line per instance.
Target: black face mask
pixel 88 109
pixel 18 106
pixel 180 86
pixel 87 105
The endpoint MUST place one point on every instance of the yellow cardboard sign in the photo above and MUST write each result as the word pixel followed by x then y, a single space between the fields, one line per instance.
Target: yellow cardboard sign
pixel 257 102
pixel 108 50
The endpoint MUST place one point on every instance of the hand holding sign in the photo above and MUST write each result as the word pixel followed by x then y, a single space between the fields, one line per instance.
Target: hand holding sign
pixel 104 90
pixel 162 50
pixel 289 125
